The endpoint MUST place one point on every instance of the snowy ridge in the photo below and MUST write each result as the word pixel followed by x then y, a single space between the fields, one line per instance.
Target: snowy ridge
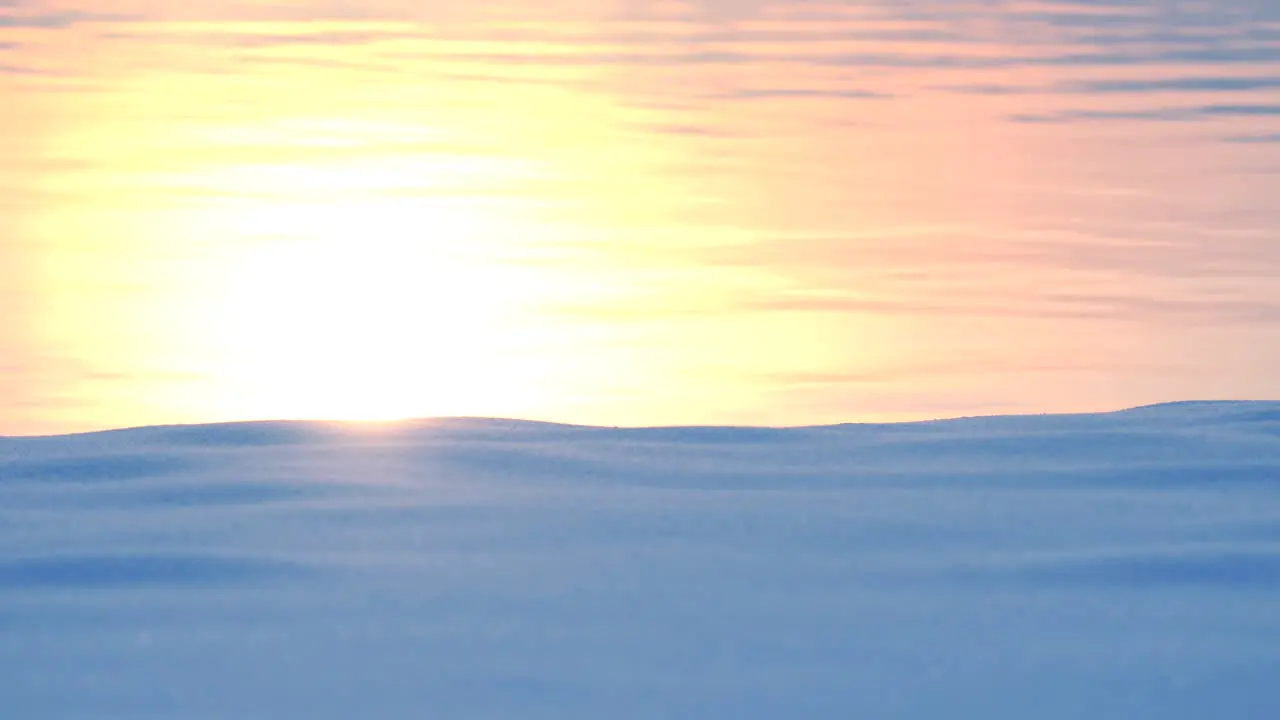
pixel 1114 565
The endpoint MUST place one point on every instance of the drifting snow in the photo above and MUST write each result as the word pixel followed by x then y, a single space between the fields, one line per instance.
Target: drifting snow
pixel 1124 565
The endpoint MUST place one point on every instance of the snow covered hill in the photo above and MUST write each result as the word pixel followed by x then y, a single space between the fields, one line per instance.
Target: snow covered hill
pixel 1121 565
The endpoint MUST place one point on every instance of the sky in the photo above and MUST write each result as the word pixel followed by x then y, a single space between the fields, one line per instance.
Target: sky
pixel 633 212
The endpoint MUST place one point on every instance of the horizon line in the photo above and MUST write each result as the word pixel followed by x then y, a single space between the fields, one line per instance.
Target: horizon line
pixel 455 420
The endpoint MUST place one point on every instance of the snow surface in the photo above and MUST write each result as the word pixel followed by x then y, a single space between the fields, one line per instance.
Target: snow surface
pixel 1122 565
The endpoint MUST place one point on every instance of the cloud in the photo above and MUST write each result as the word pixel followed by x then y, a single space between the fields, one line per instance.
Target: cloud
pixel 1199 281
pixel 1097 58
pixel 899 266
pixel 688 131
pixel 991 89
pixel 1168 114
pixel 764 93
pixel 952 367
pixel 245 39
pixel 949 248
pixel 1240 109
pixel 566 56
pixel 6 69
pixel 892 60
pixel 1187 84
pixel 954 37
pixel 60 20
pixel 924 35
pixel 1263 138
pixel 1202 311
pixel 1160 114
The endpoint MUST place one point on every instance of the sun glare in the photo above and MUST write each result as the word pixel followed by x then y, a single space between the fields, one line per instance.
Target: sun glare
pixel 356 310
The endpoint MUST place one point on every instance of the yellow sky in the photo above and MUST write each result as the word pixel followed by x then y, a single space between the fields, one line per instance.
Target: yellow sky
pixel 557 220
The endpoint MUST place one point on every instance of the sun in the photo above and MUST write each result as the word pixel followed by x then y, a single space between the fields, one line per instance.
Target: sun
pixel 363 309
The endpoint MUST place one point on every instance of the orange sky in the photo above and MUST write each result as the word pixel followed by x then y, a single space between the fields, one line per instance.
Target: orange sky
pixel 757 212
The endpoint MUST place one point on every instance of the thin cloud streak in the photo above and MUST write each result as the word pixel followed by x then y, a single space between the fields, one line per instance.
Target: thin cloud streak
pixel 1206 312
pixel 62 20
pixel 1165 114
pixel 1135 87
pixel 767 93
